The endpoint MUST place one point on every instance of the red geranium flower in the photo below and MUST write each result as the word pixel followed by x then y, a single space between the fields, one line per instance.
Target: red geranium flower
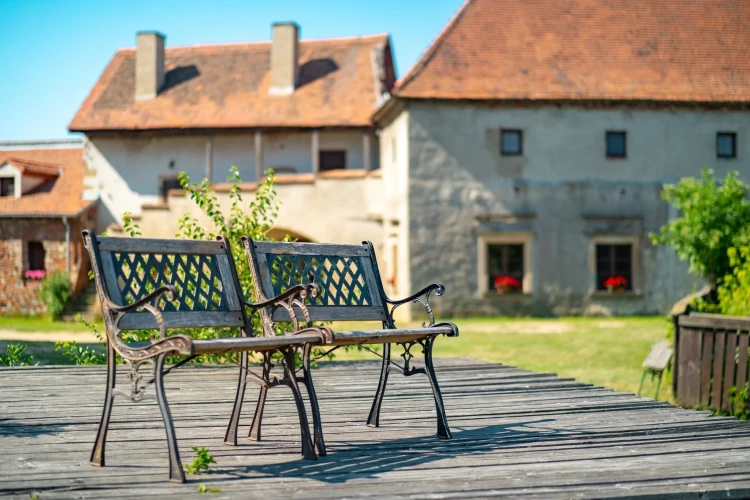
pixel 616 281
pixel 508 281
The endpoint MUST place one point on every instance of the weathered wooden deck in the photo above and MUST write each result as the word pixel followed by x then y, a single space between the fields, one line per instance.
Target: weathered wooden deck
pixel 516 433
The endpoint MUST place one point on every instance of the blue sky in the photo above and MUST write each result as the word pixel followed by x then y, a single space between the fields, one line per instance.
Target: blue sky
pixel 52 52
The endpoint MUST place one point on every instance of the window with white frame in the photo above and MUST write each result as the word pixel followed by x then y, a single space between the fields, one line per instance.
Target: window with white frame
pixel 615 264
pixel 504 264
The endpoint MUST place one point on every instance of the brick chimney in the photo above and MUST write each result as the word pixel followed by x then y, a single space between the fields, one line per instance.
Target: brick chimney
pixel 284 53
pixel 149 64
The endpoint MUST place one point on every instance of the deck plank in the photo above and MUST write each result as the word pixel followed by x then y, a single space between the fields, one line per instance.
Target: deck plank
pixel 516 433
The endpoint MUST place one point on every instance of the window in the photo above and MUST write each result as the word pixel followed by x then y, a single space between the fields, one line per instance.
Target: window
pixel 332 160
pixel 35 255
pixel 726 145
pixel 166 183
pixel 8 186
pixel 615 144
pixel 511 142
pixel 614 261
pixel 505 268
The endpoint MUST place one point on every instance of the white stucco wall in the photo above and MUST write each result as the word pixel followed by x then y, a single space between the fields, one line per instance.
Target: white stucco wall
pixel 127 168
pixel 329 211
pixel 565 188
pixel 394 161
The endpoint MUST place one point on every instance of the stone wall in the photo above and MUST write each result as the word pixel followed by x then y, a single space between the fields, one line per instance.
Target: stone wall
pixel 563 194
pixel 19 295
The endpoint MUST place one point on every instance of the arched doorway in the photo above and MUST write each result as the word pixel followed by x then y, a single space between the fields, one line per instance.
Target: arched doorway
pixel 279 233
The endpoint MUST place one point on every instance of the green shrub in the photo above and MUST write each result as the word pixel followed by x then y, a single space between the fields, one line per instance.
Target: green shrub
pixel 56 291
pixel 715 217
pixel 734 291
pixel 15 355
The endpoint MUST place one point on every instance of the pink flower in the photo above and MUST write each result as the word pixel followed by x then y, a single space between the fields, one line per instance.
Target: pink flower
pixel 35 274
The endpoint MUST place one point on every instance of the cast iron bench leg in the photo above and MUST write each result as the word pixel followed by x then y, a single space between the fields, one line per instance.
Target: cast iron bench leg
pixel 97 454
pixel 308 449
pixel 261 404
pixel 176 473
pixel 443 431
pixel 230 438
pixel 307 380
pixel 374 419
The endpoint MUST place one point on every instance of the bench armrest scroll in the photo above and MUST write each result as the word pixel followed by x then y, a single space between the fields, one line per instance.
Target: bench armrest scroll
pixel 423 297
pixel 295 298
pixel 180 344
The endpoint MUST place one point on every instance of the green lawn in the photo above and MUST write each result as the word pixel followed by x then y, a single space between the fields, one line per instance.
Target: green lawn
pixel 40 324
pixel 606 352
pixel 601 351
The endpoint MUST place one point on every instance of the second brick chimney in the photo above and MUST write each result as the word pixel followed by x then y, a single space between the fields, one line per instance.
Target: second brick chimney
pixel 284 54
pixel 149 64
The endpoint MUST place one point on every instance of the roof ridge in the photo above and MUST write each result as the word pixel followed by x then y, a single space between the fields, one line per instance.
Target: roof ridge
pixel 432 49
pixel 352 38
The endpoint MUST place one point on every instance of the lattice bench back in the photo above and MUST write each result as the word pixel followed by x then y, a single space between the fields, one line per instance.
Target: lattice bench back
pixel 128 269
pixel 347 275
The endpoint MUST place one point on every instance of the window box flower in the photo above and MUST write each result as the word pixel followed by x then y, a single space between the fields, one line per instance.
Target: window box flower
pixel 35 274
pixel 616 284
pixel 507 284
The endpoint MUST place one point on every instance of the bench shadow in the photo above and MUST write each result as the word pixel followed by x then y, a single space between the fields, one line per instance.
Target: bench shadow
pixel 15 428
pixel 356 459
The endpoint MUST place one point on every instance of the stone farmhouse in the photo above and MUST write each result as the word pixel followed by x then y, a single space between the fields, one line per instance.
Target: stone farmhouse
pixel 532 140
pixel 301 107
pixel 529 145
pixel 42 213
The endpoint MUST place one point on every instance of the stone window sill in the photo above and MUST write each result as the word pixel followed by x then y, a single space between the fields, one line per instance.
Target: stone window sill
pixel 603 294
pixel 504 296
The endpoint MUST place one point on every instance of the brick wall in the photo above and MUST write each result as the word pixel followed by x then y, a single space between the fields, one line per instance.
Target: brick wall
pixel 19 295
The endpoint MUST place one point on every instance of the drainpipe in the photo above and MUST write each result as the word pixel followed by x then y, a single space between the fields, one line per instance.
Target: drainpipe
pixel 67 244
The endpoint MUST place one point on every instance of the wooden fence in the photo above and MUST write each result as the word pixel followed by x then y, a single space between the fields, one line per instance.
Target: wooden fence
pixel 711 356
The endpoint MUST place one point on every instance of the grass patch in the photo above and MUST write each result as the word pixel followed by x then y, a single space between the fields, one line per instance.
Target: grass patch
pixel 41 324
pixel 603 351
pixel 44 352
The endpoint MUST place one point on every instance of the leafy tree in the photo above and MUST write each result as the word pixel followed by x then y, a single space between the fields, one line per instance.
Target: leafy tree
pixel 715 217
pixel 734 292
pixel 56 291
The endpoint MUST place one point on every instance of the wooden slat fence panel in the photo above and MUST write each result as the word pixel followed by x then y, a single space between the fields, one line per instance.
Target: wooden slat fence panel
pixel 689 383
pixel 716 387
pixel 729 369
pixel 706 359
pixel 742 365
pixel 712 357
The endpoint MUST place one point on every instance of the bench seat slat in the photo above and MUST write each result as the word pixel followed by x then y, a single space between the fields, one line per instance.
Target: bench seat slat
pixel 322 249
pixel 160 246
pixel 387 336
pixel 257 344
pixel 185 319
pixel 337 313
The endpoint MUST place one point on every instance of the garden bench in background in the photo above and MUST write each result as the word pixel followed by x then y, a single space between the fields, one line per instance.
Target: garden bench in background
pixel 150 284
pixel 349 289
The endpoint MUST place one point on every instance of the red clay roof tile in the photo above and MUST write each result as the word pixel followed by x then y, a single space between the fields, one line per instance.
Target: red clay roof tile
pixel 226 86
pixel 654 50
pixel 64 196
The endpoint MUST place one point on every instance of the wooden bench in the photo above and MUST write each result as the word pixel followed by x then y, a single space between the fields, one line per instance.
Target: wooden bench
pixel 350 289
pixel 165 284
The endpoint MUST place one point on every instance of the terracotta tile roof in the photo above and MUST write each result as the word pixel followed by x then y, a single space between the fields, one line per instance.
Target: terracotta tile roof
pixel 60 196
pixel 655 50
pixel 226 86
pixel 31 167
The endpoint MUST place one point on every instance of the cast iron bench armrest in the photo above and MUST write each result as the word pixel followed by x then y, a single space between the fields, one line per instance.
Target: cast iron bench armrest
pixel 423 297
pixel 181 344
pixel 295 297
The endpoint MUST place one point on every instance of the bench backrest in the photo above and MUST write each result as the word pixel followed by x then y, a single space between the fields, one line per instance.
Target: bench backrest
pixel 203 272
pixel 348 277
